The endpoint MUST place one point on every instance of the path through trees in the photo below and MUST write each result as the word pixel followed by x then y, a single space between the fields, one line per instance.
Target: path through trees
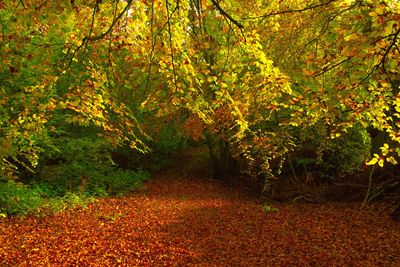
pixel 182 218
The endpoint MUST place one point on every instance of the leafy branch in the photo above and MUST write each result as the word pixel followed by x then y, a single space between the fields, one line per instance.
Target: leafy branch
pixel 328 68
pixel 226 15
pixel 169 15
pixel 292 10
pixel 101 36
pixel 88 38
pixel 381 63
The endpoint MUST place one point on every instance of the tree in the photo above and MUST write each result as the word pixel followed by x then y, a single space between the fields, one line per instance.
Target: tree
pixel 250 77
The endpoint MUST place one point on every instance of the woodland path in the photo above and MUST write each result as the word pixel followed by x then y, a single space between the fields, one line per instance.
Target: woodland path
pixel 181 218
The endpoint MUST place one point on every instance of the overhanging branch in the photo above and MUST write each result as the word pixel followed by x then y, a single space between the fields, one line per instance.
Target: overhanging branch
pixel 88 38
pixel 292 10
pixel 101 36
pixel 226 15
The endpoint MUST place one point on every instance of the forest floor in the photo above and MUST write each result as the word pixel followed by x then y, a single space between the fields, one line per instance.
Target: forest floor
pixel 184 218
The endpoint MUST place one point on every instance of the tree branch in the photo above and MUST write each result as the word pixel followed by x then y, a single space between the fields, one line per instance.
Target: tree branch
pixel 326 69
pixel 392 44
pixel 171 45
pixel 86 39
pixel 101 36
pixel 292 10
pixel 223 12
pixel 381 63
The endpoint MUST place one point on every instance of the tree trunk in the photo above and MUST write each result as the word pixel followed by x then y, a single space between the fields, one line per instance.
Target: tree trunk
pixel 220 155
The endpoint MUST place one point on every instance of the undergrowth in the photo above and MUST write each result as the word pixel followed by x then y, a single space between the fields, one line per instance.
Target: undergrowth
pixel 17 199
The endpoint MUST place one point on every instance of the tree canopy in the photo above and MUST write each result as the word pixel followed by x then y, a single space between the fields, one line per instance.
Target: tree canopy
pixel 253 78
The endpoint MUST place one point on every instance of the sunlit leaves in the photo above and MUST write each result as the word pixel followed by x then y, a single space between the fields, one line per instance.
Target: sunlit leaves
pixel 385 155
pixel 293 64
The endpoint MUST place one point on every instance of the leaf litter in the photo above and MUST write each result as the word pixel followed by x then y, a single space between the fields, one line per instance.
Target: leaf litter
pixel 182 219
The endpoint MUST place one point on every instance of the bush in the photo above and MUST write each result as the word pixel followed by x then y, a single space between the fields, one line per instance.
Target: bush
pixel 122 182
pixel 86 167
pixel 69 176
pixel 17 199
pixel 346 154
pixel 69 200
pixel 86 180
pixel 326 159
pixel 169 139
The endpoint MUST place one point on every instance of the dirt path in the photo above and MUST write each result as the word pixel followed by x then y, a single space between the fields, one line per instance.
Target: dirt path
pixel 183 219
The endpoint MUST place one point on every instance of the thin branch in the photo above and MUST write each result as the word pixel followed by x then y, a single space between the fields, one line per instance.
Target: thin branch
pixel 367 194
pixel 228 47
pixel 349 184
pixel 295 178
pixel 153 45
pixel 101 36
pixel 397 48
pixel 95 9
pixel 326 69
pixel 154 35
pixel 169 16
pixel 86 39
pixel 292 10
pixel 111 36
pixel 23 4
pixel 223 12
pixel 381 63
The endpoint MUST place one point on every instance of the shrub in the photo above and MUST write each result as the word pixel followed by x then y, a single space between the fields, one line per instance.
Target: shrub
pixel 69 200
pixel 305 155
pixel 77 170
pixel 17 199
pixel 84 179
pixel 169 139
pixel 121 182
pixel 345 154
pixel 86 167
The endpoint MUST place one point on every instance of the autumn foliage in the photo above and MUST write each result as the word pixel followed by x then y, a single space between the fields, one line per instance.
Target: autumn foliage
pixel 294 99
pixel 181 219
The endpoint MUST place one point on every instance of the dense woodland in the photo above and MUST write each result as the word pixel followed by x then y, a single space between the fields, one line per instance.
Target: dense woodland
pixel 292 100
pixel 94 91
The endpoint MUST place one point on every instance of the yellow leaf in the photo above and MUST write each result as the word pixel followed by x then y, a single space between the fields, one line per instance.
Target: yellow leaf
pixel 380 162
pixel 372 161
pixel 385 149
pixel 379 10
pixel 386 146
pixel 392 160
